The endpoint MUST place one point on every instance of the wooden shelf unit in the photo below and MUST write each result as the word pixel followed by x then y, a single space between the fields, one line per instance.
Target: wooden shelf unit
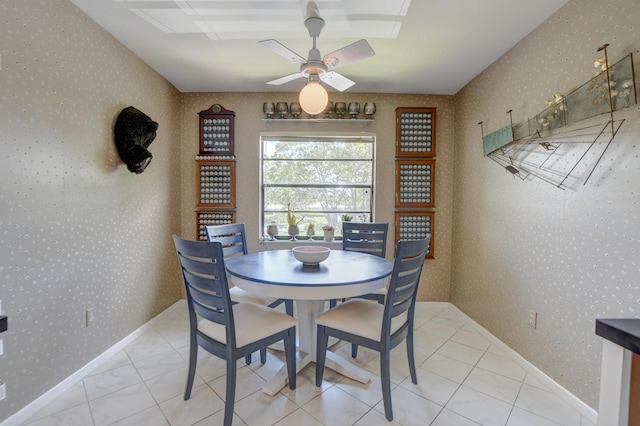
pixel 415 174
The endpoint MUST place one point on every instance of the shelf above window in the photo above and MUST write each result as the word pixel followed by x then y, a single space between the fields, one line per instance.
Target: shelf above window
pixel 319 120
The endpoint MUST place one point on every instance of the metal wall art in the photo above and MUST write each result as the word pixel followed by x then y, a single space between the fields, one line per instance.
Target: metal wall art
pixel 563 144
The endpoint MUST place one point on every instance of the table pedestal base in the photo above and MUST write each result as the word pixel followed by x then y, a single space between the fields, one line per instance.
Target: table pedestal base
pixel 308 310
pixel 334 362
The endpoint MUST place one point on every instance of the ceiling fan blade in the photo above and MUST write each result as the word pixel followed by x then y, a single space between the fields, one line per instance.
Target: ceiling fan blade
pixel 337 81
pixel 283 51
pixel 285 79
pixel 348 54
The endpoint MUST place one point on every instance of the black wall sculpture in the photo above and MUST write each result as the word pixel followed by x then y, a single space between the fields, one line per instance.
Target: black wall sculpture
pixel 134 132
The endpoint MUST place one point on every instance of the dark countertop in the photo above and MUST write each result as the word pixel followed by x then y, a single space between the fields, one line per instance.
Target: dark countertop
pixel 621 331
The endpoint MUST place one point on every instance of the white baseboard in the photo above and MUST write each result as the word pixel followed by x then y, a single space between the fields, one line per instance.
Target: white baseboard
pixel 48 397
pixel 576 403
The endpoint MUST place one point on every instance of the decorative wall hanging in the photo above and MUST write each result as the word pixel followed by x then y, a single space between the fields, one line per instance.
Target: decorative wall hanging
pixel 563 144
pixel 134 131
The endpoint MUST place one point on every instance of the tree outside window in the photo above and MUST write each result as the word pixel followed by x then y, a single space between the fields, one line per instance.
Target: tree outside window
pixel 323 178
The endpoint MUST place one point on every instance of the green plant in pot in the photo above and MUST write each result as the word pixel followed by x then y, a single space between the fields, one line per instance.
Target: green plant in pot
pixel 293 223
pixel 311 230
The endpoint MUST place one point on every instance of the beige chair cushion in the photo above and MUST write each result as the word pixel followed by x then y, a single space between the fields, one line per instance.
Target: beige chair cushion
pixel 253 322
pixel 241 296
pixel 361 317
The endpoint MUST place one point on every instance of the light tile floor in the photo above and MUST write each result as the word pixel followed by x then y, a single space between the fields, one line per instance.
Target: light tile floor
pixel 462 380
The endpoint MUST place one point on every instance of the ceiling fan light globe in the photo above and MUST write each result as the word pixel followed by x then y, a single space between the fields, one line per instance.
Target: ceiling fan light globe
pixel 313 98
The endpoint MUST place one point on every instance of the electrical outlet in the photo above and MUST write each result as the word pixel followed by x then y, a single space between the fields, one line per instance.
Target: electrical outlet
pixel 89 316
pixel 533 319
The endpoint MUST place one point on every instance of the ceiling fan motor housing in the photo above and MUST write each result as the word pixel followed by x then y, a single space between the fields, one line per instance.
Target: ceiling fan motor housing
pixel 314 25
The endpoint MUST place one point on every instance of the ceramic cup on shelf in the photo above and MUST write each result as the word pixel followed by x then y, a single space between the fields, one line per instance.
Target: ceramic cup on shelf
pixel 268 108
pixel 295 109
pixel 282 109
pixel 354 109
pixel 370 109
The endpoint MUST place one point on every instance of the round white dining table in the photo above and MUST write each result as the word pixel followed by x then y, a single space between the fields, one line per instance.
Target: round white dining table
pixel 278 274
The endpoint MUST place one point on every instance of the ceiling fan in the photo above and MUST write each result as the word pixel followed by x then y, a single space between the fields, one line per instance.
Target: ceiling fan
pixel 316 67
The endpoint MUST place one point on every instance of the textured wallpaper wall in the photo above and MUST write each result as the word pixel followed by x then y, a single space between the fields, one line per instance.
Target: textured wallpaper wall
pixel 77 229
pixel 571 256
pixel 249 124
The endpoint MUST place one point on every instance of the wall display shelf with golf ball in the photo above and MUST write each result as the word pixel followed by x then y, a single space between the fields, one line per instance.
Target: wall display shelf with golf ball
pixel 215 170
pixel 414 226
pixel 415 173
pixel 415 183
pixel 415 132
pixel 216 130
pixel 216 184
pixel 209 217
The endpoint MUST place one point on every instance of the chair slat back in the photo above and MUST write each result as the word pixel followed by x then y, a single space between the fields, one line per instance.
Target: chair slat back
pixel 231 236
pixel 204 290
pixel 365 237
pixel 405 278
pixel 205 280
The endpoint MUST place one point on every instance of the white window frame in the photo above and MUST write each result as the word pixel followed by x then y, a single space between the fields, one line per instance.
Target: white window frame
pixel 301 136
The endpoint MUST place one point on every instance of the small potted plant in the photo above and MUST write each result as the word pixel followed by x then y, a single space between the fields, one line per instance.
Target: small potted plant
pixel 293 223
pixel 346 217
pixel 328 233
pixel 311 230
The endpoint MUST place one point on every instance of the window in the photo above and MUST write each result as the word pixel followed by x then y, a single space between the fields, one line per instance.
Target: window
pixel 322 177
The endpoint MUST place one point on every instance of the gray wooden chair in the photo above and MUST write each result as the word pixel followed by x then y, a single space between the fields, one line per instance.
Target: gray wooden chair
pixel 234 243
pixel 365 237
pixel 379 327
pixel 227 330
pixel 370 238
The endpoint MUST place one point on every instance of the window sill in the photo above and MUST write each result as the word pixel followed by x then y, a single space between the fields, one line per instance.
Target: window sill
pixel 284 245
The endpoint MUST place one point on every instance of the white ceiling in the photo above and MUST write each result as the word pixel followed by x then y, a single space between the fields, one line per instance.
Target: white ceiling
pixel 422 46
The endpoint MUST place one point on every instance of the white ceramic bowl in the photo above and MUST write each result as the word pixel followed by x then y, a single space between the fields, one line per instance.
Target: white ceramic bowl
pixel 311 255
